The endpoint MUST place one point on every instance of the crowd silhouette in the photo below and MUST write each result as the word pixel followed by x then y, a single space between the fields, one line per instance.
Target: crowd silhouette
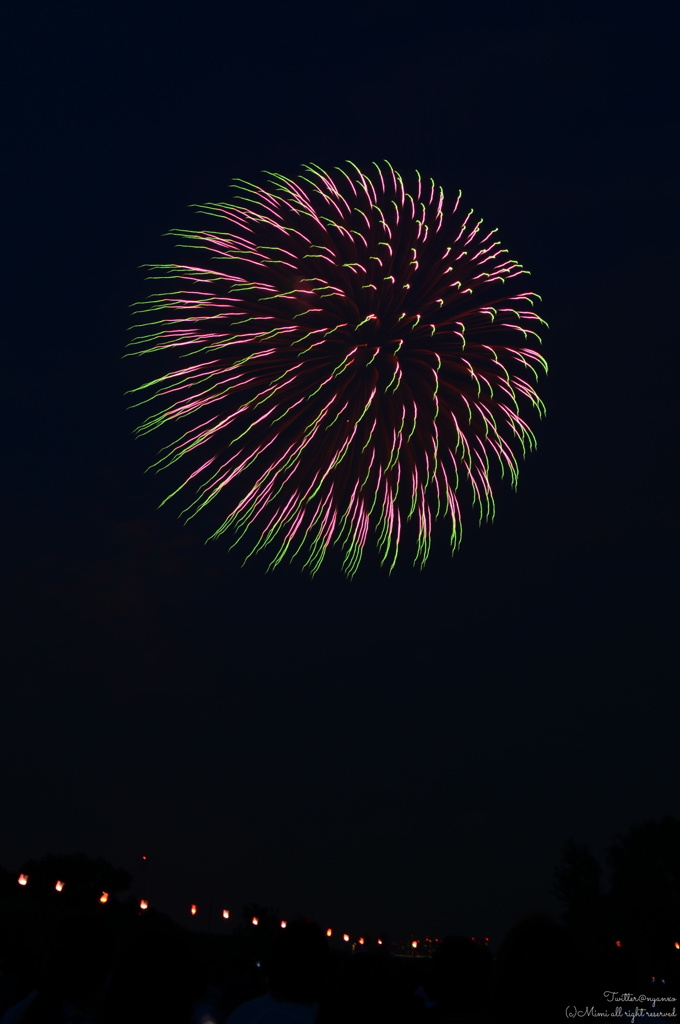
pixel 85 971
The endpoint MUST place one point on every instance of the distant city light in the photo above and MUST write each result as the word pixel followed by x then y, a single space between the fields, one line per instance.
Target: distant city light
pixel 59 886
pixel 23 879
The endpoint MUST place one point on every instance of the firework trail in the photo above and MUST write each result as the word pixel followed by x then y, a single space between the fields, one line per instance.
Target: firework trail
pixel 349 357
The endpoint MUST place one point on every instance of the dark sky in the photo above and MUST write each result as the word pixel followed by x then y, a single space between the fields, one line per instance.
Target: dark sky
pixel 405 752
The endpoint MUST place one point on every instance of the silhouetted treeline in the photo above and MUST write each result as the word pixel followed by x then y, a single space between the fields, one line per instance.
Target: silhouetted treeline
pixel 68 958
pixel 630 901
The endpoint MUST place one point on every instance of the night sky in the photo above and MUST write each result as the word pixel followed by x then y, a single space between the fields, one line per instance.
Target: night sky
pixel 404 752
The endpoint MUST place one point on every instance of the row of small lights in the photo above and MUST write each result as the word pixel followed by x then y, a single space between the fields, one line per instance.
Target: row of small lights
pixel 193 910
pixel 144 905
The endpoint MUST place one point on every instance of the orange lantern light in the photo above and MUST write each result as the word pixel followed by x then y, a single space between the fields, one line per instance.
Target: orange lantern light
pixel 380 942
pixel 194 910
pixel 23 879
pixel 143 904
pixel 59 886
pixel 618 943
pixel 345 937
pixel 255 920
pixel 284 924
pixel 104 898
pixel 329 932
pixel 414 944
pixel 361 942
pixel 225 915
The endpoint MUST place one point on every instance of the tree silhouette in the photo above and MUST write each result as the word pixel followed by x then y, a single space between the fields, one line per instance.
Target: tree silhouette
pixel 578 886
pixel 645 879
pixel 640 906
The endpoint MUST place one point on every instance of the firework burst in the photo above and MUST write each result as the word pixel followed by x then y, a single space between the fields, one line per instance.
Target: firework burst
pixel 351 357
